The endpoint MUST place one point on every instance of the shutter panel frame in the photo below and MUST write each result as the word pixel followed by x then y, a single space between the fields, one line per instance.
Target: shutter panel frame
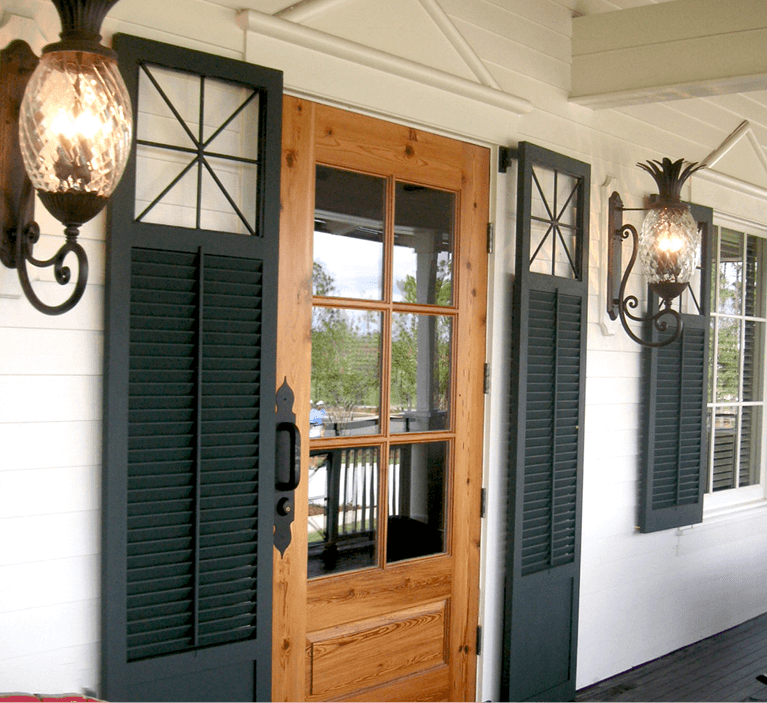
pixel 676 429
pixel 542 589
pixel 239 670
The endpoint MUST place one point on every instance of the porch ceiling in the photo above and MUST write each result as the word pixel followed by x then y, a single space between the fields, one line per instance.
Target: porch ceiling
pixel 625 56
pixel 667 51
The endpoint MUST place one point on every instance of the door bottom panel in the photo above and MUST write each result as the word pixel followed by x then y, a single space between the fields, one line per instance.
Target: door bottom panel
pixel 376 651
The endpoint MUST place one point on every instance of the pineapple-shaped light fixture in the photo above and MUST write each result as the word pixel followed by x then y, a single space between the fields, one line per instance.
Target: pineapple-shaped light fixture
pixel 67 135
pixel 667 247
pixel 669 240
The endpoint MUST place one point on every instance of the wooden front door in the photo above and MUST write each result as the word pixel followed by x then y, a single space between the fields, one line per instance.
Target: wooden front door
pixel 382 304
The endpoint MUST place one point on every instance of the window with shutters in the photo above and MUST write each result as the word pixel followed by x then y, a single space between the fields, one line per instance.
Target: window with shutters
pixel 736 377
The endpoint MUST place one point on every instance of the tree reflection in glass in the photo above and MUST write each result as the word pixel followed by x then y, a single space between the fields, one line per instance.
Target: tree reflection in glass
pixel 420 372
pixel 346 371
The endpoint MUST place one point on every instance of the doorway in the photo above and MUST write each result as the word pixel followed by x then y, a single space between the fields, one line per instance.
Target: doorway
pixel 382 306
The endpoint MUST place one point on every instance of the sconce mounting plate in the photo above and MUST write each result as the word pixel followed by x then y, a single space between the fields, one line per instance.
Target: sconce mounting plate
pixel 17 197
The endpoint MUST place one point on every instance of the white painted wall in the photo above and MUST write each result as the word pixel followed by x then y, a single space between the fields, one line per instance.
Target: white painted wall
pixel 641 595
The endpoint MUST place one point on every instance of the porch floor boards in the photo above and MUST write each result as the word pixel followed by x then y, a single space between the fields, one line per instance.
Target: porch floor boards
pixel 719 668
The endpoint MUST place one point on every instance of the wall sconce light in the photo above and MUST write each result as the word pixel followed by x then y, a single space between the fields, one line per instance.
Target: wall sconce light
pixel 667 248
pixel 67 136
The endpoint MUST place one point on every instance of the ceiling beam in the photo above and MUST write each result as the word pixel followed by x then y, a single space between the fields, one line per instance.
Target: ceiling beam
pixel 669 51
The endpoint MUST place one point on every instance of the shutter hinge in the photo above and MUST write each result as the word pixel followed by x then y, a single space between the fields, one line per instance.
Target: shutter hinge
pixel 490 237
pixel 479 640
pixel 486 380
pixel 506 155
pixel 483 503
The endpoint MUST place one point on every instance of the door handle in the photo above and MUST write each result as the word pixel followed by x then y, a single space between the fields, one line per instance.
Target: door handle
pixel 287 466
pixel 288 462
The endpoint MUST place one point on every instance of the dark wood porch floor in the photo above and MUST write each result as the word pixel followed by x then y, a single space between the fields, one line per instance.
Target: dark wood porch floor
pixel 720 668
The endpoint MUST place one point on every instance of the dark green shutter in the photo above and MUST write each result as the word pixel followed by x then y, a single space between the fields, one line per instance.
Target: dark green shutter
pixel 674 461
pixel 546 443
pixel 189 428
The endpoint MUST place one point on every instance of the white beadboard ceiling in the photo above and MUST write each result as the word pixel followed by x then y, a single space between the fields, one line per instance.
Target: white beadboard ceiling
pixel 704 123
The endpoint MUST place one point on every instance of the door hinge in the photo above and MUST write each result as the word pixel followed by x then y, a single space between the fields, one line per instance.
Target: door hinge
pixel 479 640
pixel 486 380
pixel 482 503
pixel 490 237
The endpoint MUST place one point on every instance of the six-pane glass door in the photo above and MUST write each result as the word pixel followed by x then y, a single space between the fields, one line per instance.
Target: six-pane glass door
pixel 382 363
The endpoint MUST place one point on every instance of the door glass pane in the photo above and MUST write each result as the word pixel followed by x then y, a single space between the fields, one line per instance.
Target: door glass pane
pixel 417 483
pixel 346 371
pixel 420 372
pixel 423 245
pixel 343 510
pixel 348 234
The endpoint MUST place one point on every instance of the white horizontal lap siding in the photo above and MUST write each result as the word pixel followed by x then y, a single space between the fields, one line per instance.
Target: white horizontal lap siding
pixel 51 412
pixel 50 431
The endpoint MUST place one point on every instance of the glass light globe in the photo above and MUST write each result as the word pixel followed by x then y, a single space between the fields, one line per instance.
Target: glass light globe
pixel 75 129
pixel 668 248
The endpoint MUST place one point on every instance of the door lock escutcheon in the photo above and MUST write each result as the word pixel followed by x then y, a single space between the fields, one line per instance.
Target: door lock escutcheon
pixel 287 474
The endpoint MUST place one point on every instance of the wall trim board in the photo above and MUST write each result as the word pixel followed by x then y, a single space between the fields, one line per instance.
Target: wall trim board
pixel 303 11
pixel 252 21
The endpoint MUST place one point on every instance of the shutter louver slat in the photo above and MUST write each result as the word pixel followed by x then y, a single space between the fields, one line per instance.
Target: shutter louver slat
pixel 162 340
pixel 678 408
pixel 165 354
pixel 228 554
pixel 551 430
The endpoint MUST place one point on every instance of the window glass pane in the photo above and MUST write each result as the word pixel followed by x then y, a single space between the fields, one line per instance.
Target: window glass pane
pixel 166 187
pixel 346 370
pixel 231 119
pixel 750 445
pixel 754 288
pixel 156 120
pixel 753 353
pixel 553 223
pixel 417 485
pixel 423 245
pixel 175 184
pixel 724 459
pixel 343 510
pixel 736 361
pixel 420 372
pixel 730 272
pixel 348 234
pixel 228 196
pixel 711 358
pixel 728 359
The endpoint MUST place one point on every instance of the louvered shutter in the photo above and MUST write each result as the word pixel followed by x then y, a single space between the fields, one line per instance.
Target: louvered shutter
pixel 189 419
pixel 547 407
pixel 674 460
